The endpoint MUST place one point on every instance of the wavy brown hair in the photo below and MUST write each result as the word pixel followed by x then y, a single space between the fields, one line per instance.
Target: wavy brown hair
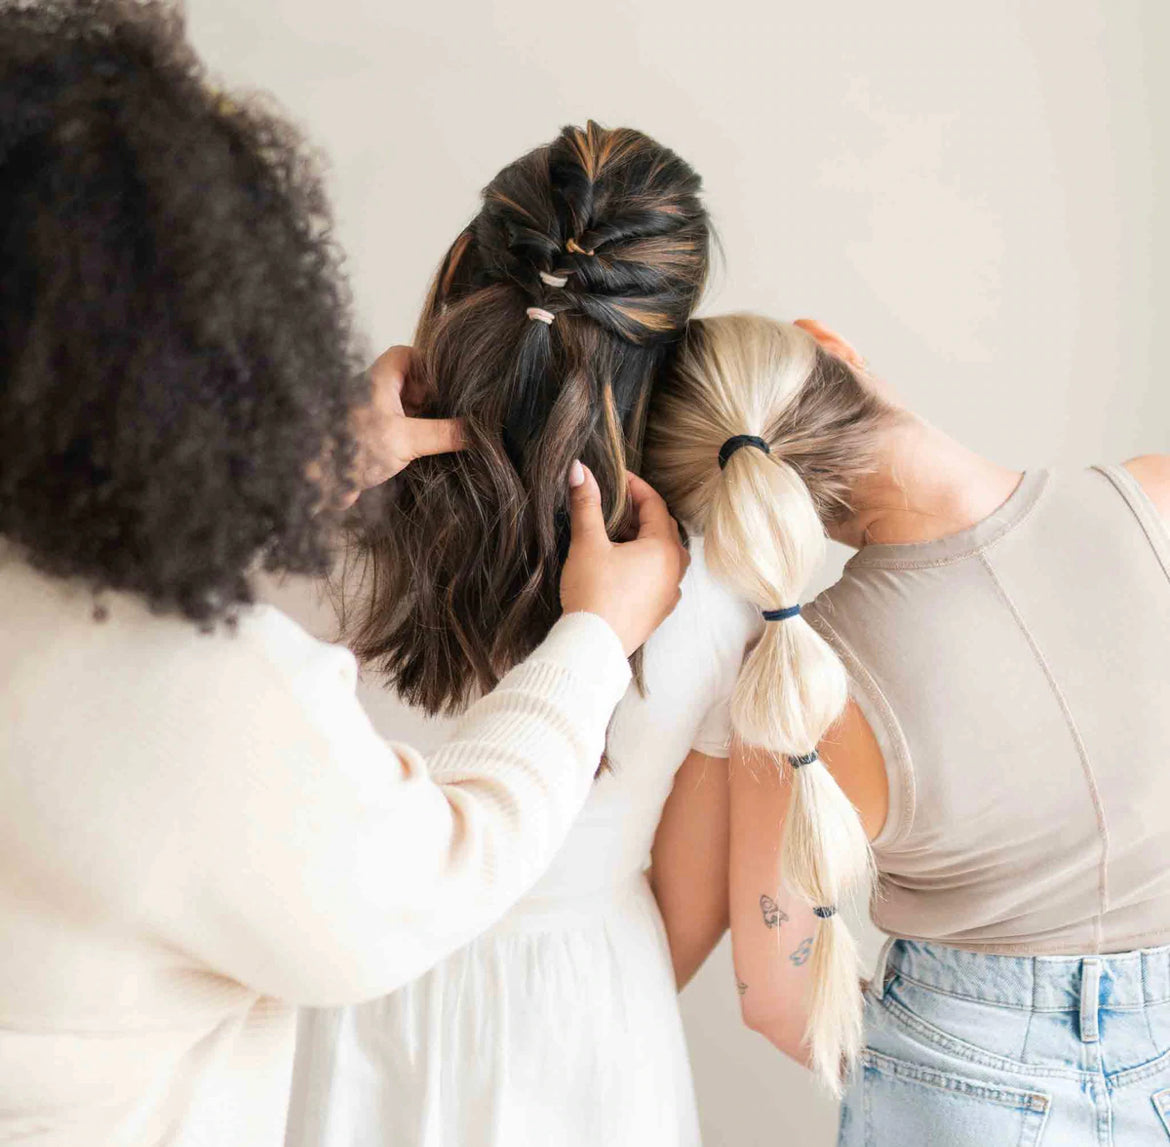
pixel 462 559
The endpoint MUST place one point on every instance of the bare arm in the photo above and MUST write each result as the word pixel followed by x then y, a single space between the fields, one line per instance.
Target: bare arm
pixel 1152 472
pixel 689 863
pixel 771 929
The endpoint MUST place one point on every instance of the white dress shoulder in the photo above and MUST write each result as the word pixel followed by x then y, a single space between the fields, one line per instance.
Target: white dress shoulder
pixel 560 1026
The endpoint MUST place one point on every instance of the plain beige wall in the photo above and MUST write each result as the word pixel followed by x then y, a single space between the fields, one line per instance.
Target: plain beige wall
pixel 968 191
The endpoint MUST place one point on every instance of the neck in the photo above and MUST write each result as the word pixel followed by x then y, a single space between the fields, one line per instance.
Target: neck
pixel 924 486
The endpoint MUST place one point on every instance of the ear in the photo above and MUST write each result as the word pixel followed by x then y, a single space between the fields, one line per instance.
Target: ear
pixel 831 341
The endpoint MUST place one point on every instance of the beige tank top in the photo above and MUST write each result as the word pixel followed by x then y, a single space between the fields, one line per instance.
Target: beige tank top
pixel 1017 678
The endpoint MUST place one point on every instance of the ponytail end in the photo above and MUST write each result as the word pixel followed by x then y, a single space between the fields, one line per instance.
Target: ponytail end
pixel 835 1026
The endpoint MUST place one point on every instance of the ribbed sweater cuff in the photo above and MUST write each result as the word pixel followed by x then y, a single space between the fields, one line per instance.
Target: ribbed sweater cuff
pixel 588 648
pixel 572 682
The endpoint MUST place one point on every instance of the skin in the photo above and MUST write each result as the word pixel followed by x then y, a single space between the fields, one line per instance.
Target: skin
pixel 632 585
pixel 388 437
pixel 716 851
pixel 689 862
pixel 926 486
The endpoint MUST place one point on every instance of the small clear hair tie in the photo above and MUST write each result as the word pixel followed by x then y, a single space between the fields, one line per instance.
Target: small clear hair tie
pixel 540 315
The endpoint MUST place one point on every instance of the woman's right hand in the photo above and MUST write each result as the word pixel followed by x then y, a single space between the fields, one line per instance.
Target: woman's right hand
pixel 389 436
pixel 632 585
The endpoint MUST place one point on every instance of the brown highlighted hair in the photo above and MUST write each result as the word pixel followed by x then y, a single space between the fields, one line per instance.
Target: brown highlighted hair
pixel 462 560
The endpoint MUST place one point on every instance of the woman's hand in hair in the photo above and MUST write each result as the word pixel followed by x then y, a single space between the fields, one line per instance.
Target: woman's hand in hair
pixel 388 437
pixel 632 585
pixel 831 341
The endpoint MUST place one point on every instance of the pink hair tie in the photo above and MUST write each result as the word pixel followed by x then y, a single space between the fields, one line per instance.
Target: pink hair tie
pixel 541 315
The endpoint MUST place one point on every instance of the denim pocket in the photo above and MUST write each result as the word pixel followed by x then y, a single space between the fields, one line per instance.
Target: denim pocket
pixel 978 1033
pixel 909 1105
pixel 1161 1101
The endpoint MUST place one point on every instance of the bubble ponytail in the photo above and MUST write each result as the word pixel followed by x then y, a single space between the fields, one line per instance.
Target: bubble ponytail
pixel 765 390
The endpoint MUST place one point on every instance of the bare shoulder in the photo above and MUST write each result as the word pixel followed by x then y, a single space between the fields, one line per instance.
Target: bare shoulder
pixel 1152 472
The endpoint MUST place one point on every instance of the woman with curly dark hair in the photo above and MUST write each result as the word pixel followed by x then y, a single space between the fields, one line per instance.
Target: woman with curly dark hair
pixel 199 827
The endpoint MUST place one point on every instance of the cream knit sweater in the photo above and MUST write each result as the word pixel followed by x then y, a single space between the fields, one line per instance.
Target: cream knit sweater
pixel 199 832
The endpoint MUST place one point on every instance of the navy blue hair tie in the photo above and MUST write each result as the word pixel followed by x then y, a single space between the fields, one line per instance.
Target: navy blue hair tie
pixel 738 442
pixel 807 759
pixel 825 911
pixel 781 614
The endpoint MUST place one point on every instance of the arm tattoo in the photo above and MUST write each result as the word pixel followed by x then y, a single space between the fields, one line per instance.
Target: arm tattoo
pixel 802 952
pixel 740 986
pixel 773 914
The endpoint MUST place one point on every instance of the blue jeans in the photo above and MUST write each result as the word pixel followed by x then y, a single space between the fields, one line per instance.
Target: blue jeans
pixel 969 1050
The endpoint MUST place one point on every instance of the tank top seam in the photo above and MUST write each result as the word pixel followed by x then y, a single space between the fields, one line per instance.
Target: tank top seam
pixel 1143 509
pixel 1078 741
pixel 978 548
pixel 858 673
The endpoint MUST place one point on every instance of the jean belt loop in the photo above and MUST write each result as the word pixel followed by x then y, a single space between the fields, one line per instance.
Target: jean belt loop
pixel 1090 997
pixel 877 986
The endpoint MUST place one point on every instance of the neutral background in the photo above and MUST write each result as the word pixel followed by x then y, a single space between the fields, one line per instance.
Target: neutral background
pixel 969 191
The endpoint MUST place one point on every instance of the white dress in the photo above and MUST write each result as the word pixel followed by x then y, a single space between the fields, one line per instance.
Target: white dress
pixel 560 1026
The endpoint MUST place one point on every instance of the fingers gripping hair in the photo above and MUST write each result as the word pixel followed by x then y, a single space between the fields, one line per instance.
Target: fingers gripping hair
pixel 765 539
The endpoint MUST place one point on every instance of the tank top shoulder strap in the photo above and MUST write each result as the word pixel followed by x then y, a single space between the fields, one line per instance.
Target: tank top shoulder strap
pixel 1151 521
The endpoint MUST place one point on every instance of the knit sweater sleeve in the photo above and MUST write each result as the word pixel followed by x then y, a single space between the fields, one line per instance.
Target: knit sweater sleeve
pixel 323 865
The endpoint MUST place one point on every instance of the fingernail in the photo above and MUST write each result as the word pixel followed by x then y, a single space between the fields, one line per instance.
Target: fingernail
pixel 576 475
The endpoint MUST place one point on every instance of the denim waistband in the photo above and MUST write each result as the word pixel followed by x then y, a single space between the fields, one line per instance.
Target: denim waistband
pixel 1128 980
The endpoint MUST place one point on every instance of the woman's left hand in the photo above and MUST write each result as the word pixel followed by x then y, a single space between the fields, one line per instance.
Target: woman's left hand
pixel 389 438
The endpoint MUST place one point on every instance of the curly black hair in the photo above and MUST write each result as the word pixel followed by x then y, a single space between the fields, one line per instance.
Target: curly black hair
pixel 177 365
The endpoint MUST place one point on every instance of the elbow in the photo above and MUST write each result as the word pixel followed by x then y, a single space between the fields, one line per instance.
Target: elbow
pixel 782 1030
pixel 757 1019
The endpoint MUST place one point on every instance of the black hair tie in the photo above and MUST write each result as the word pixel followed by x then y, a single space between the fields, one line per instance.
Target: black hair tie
pixel 781 614
pixel 825 911
pixel 738 442
pixel 807 759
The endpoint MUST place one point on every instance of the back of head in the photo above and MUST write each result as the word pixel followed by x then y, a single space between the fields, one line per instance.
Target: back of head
pixel 756 438
pixel 548 320
pixel 175 355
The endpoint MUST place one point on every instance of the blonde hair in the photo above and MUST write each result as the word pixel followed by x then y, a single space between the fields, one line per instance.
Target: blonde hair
pixel 762 507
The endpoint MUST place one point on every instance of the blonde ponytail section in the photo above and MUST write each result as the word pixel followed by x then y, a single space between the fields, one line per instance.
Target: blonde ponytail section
pixel 765 540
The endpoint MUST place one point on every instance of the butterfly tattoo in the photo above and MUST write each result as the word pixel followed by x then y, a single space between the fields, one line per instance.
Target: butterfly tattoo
pixel 802 952
pixel 773 914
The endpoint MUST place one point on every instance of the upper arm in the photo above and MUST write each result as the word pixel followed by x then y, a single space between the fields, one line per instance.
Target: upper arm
pixel 689 861
pixel 312 868
pixel 1152 472
pixel 311 861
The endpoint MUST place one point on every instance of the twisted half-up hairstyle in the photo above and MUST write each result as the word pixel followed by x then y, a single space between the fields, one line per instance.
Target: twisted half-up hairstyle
pixel 547 322
pixel 756 437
